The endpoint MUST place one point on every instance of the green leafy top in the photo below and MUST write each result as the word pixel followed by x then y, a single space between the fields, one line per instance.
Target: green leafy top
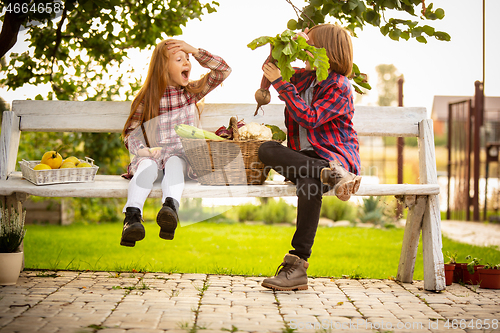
pixel 286 49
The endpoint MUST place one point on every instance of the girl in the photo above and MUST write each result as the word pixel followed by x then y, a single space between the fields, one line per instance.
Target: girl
pixel 323 150
pixel 166 99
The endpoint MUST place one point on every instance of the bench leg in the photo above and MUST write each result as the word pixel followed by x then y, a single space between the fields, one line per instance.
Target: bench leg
pixel 433 246
pixel 416 209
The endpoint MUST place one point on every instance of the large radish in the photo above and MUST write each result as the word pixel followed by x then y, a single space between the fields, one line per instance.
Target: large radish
pixel 262 95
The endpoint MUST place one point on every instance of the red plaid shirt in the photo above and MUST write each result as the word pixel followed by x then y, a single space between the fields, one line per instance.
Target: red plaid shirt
pixel 327 120
pixel 177 106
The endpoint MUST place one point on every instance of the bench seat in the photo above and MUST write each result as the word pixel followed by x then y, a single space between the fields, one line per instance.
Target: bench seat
pixel 113 186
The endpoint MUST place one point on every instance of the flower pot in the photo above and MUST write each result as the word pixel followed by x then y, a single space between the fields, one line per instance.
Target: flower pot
pixel 472 278
pixel 458 273
pixel 490 278
pixel 448 273
pixel 10 267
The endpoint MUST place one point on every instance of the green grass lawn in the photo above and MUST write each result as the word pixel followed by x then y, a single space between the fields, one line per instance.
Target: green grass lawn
pixel 225 248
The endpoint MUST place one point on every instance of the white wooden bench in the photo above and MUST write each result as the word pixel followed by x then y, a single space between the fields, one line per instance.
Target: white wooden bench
pixel 89 116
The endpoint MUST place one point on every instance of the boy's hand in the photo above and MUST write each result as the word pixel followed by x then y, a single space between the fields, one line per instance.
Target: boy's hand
pixel 271 72
pixel 175 45
pixel 303 34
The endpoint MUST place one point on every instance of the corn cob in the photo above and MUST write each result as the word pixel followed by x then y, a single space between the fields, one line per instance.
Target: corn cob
pixel 191 132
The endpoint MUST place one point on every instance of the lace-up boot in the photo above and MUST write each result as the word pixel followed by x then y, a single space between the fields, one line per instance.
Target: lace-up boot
pixel 291 275
pixel 133 230
pixel 344 183
pixel 167 218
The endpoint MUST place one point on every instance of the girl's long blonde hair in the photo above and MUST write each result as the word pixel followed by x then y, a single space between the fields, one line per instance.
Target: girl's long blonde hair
pixel 338 45
pixel 157 80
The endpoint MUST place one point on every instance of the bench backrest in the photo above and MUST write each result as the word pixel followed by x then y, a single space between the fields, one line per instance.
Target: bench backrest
pixel 93 116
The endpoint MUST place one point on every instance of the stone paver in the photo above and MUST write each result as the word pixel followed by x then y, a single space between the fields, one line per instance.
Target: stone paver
pixel 79 302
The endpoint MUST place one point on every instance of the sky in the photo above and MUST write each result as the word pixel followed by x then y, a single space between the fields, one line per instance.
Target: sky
pixel 435 68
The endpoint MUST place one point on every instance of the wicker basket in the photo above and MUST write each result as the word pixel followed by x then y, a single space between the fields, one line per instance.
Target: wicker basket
pixel 57 176
pixel 225 162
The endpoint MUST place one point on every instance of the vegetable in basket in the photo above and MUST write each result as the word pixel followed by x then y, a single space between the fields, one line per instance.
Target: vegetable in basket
pixel 255 131
pixel 191 132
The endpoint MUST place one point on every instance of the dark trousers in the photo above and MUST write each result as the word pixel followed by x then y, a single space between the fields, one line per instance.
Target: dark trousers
pixel 303 169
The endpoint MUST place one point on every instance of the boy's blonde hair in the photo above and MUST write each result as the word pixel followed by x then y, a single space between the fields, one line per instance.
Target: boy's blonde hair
pixel 157 80
pixel 338 45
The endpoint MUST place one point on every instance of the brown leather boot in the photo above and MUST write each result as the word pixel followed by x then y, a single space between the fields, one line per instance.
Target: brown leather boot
pixel 133 230
pixel 344 183
pixel 291 276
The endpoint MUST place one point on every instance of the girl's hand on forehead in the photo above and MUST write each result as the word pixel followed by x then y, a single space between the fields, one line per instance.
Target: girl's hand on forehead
pixel 175 45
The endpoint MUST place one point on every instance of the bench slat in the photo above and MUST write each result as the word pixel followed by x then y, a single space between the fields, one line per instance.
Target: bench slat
pixel 117 187
pixel 93 116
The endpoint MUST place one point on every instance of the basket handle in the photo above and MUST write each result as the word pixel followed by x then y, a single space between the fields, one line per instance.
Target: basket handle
pixel 88 159
pixel 233 123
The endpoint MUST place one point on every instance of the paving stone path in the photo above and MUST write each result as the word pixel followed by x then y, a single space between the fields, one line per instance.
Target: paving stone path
pixel 105 302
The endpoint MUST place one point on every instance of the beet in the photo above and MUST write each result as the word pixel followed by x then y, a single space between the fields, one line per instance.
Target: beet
pixel 262 97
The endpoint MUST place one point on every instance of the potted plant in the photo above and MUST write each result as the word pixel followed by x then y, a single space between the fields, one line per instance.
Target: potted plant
pixel 458 273
pixel 490 276
pixel 471 274
pixel 449 267
pixel 12 233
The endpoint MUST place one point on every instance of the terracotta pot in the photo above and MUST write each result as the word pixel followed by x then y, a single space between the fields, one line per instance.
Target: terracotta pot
pixel 10 267
pixel 458 273
pixel 448 273
pixel 472 278
pixel 490 278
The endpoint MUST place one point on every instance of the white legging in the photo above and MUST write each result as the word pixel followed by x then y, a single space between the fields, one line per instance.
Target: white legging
pixel 141 183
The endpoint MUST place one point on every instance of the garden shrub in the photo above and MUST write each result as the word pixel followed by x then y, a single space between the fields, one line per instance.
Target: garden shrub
pixel 377 211
pixel 337 210
pixel 249 212
pixel 278 211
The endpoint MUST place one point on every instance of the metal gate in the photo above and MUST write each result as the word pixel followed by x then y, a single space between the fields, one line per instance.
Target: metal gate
pixel 464 126
pixel 459 153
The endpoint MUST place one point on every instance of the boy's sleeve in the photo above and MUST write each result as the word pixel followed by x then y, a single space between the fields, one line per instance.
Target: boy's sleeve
pixel 330 104
pixel 219 71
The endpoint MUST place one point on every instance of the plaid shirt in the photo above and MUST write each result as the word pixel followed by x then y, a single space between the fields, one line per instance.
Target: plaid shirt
pixel 177 106
pixel 327 119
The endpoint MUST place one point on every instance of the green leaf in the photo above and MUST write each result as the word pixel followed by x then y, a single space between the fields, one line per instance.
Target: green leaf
pixel 288 50
pixel 292 24
pixel 385 29
pixel 421 39
pixel 355 69
pixel 365 85
pixel 394 34
pixel 416 32
pixel 321 63
pixel 439 13
pixel 352 4
pixel 440 35
pixel 372 17
pixel 428 30
pixel 356 88
pixel 411 24
pixel 258 42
